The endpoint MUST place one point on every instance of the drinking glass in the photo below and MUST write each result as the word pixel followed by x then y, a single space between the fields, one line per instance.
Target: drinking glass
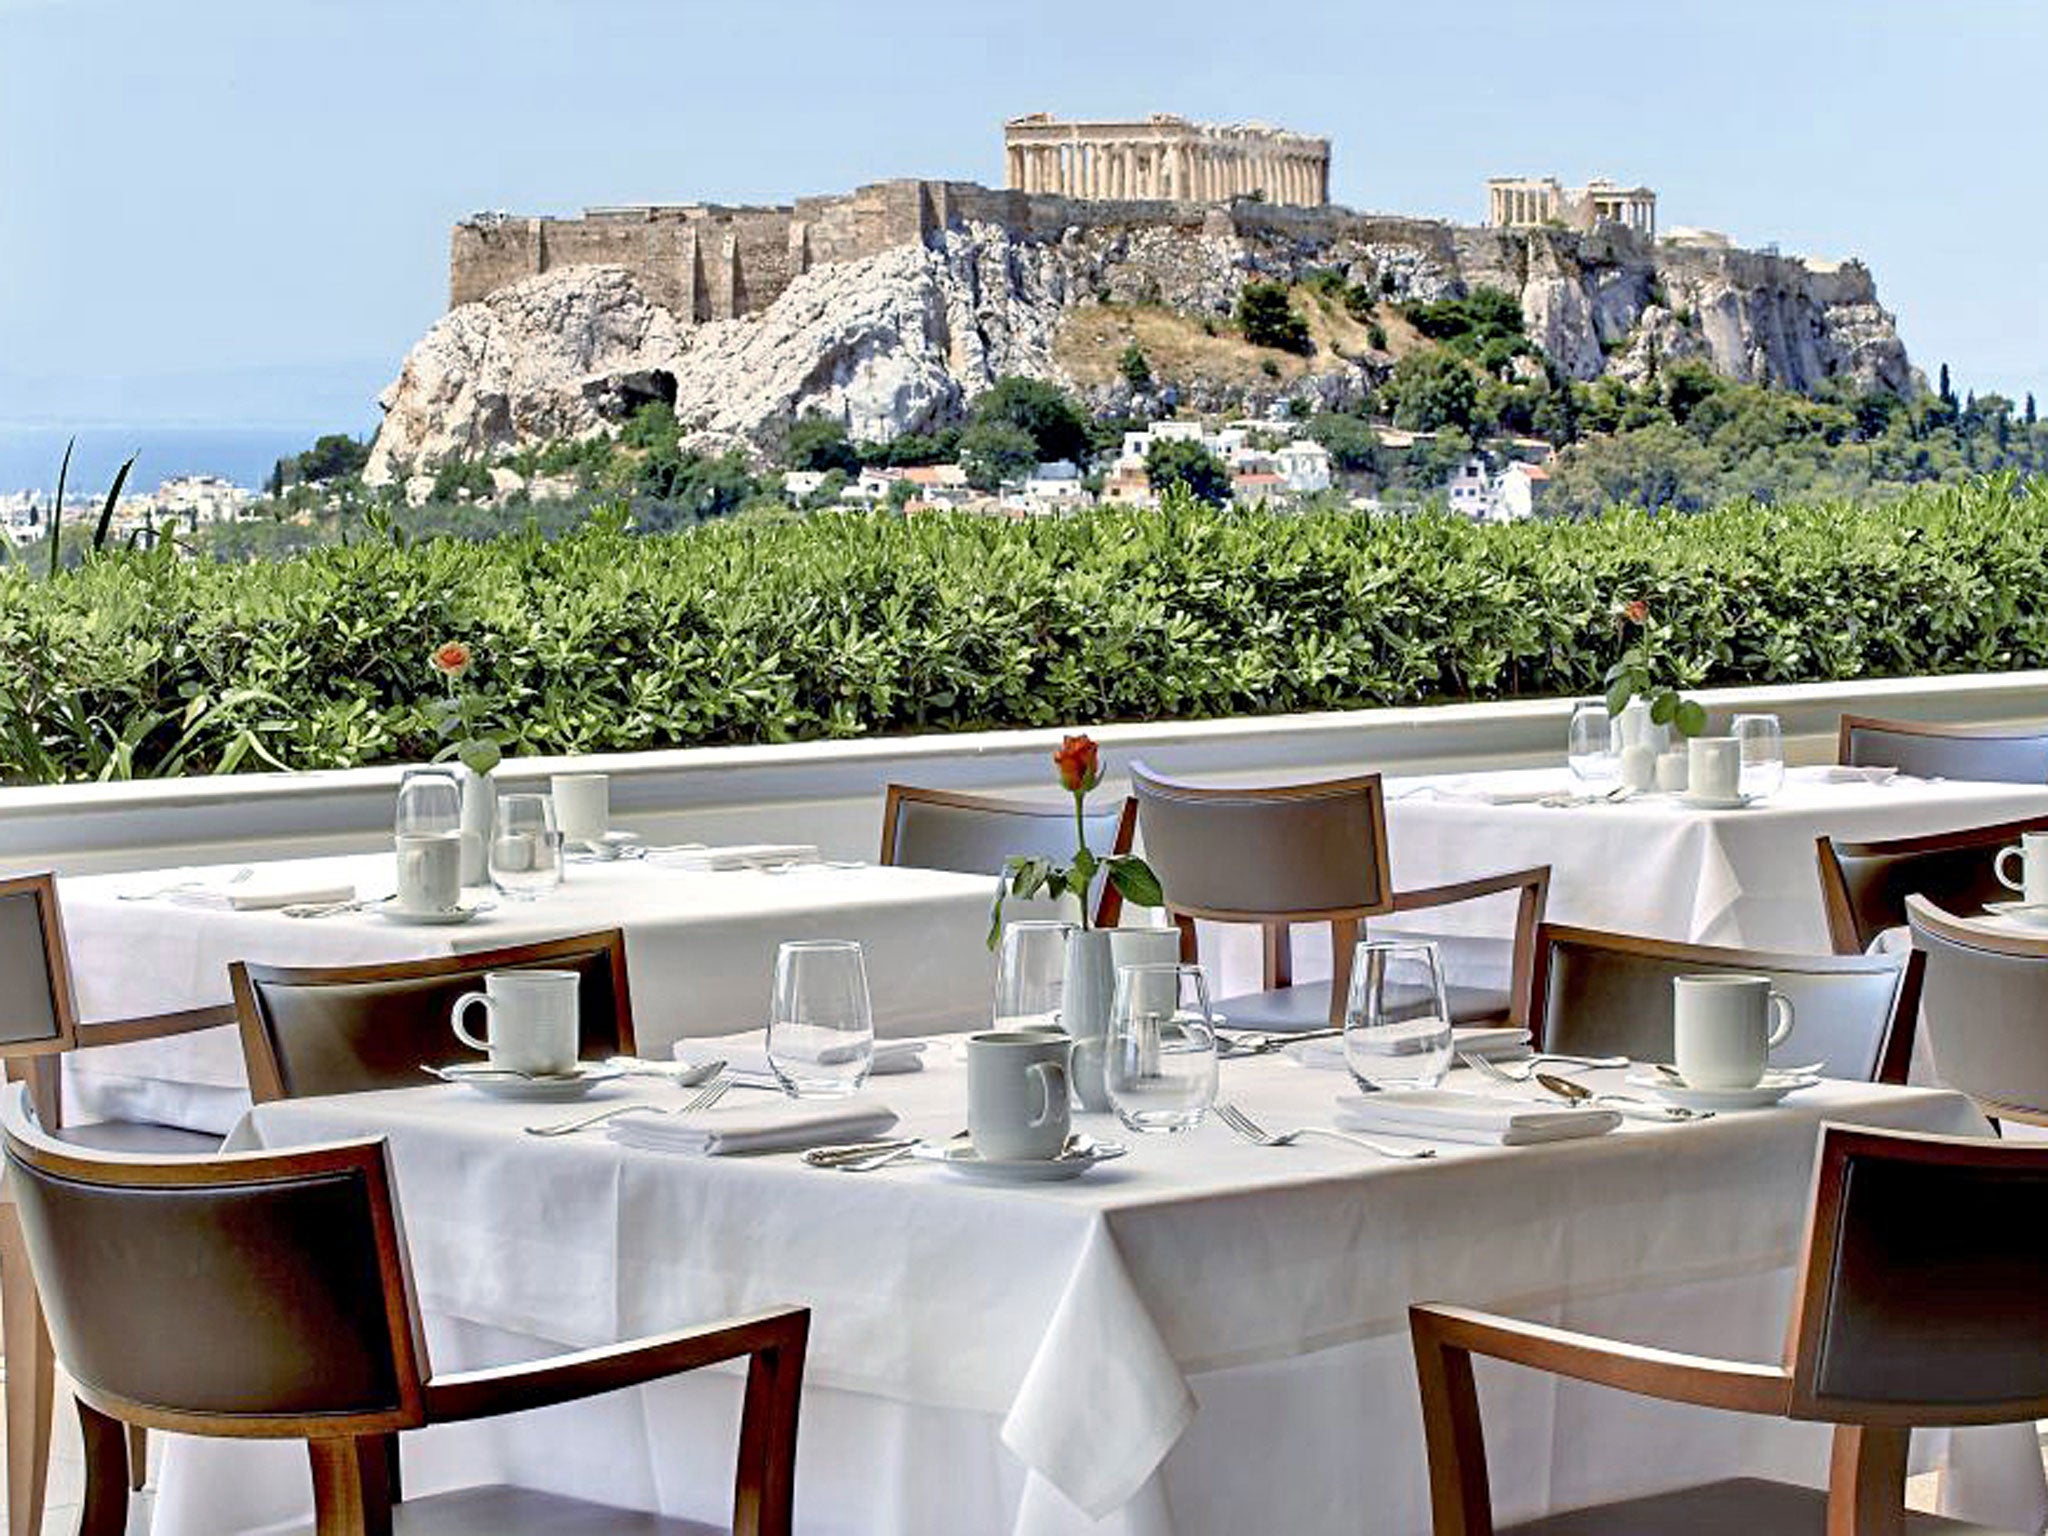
pixel 821 1031
pixel 1031 975
pixel 1763 754
pixel 1161 1069
pixel 429 804
pixel 1397 1027
pixel 1591 748
pixel 526 850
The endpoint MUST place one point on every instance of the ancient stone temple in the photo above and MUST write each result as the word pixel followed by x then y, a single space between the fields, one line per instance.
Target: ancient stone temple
pixel 1166 158
pixel 1526 202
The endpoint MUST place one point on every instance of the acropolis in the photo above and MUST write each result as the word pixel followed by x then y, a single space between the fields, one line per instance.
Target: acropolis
pixel 1166 158
pixel 1526 202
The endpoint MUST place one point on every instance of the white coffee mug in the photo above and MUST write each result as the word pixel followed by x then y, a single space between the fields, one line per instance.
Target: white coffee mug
pixel 1724 1028
pixel 429 873
pixel 2032 852
pixel 583 806
pixel 531 1020
pixel 1017 1094
pixel 1713 767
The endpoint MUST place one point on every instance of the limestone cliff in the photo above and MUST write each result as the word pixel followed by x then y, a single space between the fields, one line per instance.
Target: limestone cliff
pixel 901 340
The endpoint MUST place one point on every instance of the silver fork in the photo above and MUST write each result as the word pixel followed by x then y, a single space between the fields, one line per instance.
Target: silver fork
pixel 1258 1136
pixel 1522 1071
pixel 181 886
pixel 1575 1093
pixel 704 1098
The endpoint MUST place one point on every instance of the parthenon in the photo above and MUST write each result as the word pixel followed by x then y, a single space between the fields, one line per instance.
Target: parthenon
pixel 1166 158
pixel 1523 202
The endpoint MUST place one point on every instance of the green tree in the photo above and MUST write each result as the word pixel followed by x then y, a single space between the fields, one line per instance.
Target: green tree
pixel 1268 319
pixel 820 442
pixel 1044 412
pixel 1136 370
pixel 1178 461
pixel 1352 443
pixel 333 456
pixel 995 451
pixel 1431 390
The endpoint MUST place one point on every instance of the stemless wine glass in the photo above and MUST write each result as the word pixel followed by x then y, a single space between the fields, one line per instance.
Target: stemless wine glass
pixel 1031 975
pixel 821 1031
pixel 1763 754
pixel 429 804
pixel 1590 749
pixel 1397 1027
pixel 526 850
pixel 1161 1071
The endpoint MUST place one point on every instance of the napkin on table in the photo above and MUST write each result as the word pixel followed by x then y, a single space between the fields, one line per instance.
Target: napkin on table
pixel 261 895
pixel 1443 1114
pixel 1466 1040
pixel 737 856
pixel 1844 773
pixel 746 1055
pixel 780 1125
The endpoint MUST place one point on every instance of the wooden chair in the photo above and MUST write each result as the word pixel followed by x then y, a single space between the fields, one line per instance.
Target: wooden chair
pixel 353 1028
pixel 1920 1302
pixel 1944 751
pixel 1987 1012
pixel 1864 886
pixel 1308 853
pixel 1599 994
pixel 38 1023
pixel 167 1280
pixel 975 834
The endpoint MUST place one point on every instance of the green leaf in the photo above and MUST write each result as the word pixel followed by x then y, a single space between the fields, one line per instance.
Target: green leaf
pixel 1135 882
pixel 1663 707
pixel 1692 718
pixel 57 510
pixel 1618 696
pixel 99 533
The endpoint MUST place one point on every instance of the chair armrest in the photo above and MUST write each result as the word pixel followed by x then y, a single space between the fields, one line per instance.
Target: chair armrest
pixel 155 1026
pixel 1739 1386
pixel 1534 884
pixel 611 1367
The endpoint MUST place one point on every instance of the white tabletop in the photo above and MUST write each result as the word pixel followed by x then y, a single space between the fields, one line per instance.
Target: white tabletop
pixel 1658 866
pixel 700 950
pixel 1075 1316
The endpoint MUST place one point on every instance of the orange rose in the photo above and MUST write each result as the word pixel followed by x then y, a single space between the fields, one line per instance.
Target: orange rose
pixel 1079 762
pixel 1636 611
pixel 452 658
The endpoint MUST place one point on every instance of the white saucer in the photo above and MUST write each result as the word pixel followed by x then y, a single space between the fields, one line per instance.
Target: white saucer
pixel 1705 803
pixel 963 1161
pixel 1766 1093
pixel 391 912
pixel 612 846
pixel 2021 911
pixel 496 1083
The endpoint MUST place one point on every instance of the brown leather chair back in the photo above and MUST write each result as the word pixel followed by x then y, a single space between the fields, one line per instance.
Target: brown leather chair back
pixel 348 1029
pixel 1864 886
pixel 35 978
pixel 1987 1016
pixel 1925 1289
pixel 1297 852
pixel 1945 751
pixel 263 1287
pixel 1601 994
pixel 977 834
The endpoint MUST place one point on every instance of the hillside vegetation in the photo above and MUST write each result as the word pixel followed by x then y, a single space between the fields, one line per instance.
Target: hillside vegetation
pixel 846 624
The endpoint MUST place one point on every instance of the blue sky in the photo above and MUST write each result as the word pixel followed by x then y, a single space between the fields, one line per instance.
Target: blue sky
pixel 229 211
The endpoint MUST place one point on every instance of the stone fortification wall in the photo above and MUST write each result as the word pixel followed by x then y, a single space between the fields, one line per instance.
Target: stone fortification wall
pixel 706 262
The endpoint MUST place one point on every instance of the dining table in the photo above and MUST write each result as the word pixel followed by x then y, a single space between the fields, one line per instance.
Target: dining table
pixel 1204 1336
pixel 700 952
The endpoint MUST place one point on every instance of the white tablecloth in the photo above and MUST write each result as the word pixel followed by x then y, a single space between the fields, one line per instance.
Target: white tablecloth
pixel 1204 1337
pixel 700 950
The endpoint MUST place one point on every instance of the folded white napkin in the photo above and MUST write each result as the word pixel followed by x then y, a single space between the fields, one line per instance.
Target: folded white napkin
pixel 737 856
pixel 1444 1114
pixel 1467 1040
pixel 261 895
pixel 1483 794
pixel 1843 773
pixel 746 1055
pixel 778 1125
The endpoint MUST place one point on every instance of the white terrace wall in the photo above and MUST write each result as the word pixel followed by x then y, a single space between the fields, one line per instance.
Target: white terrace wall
pixel 830 793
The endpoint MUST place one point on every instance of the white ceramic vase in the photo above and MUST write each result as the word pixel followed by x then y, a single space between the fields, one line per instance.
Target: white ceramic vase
pixel 1084 1010
pixel 479 812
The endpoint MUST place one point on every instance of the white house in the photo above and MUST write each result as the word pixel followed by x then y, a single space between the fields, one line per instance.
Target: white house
pixel 1518 491
pixel 1470 488
pixel 1303 467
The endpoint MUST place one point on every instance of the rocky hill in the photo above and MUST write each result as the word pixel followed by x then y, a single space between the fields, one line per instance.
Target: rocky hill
pixel 901 340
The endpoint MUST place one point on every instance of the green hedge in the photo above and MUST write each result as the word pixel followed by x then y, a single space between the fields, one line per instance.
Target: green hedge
pixel 844 625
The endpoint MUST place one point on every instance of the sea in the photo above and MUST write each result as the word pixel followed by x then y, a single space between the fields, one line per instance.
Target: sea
pixel 30 454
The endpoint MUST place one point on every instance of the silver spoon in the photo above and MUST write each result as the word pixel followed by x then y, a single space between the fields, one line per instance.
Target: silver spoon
pixel 1578 1093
